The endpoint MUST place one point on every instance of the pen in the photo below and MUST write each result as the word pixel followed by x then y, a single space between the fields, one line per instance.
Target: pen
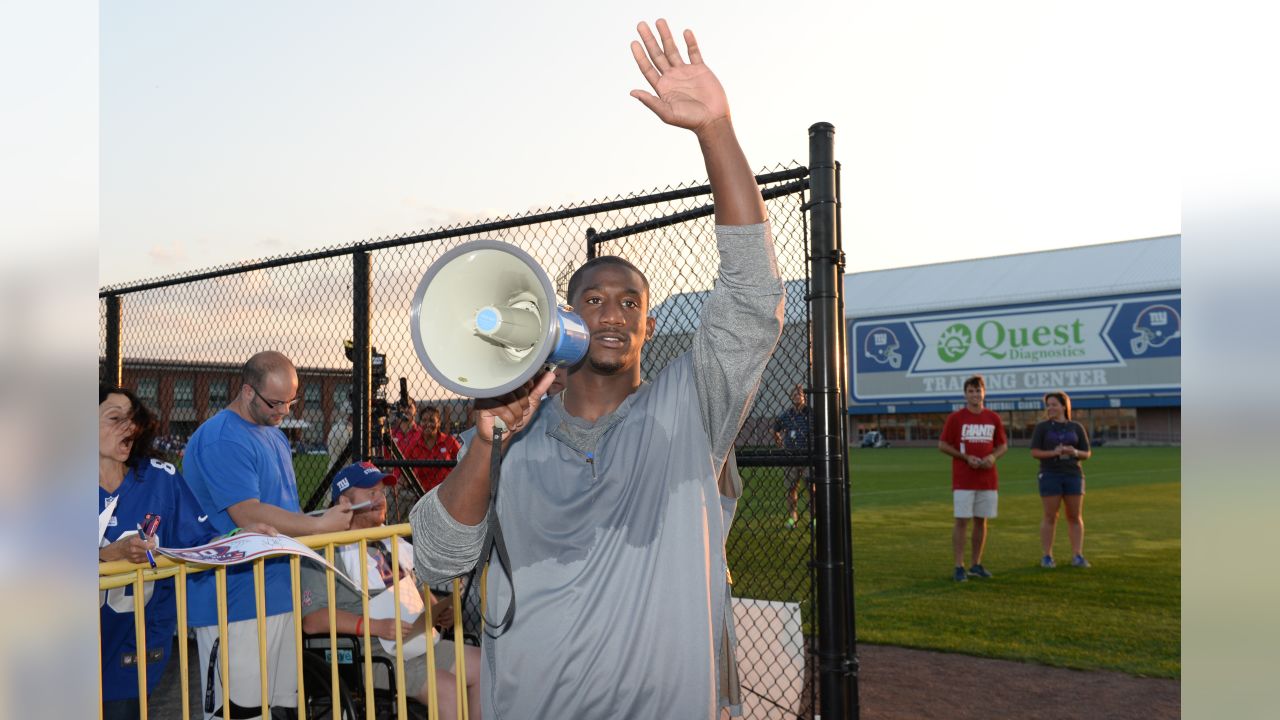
pixel 357 506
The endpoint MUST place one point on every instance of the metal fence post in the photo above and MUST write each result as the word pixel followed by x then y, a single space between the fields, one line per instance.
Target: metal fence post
pixel 113 372
pixel 846 485
pixel 836 679
pixel 361 355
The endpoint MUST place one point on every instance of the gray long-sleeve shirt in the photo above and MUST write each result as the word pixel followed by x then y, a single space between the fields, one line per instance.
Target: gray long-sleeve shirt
pixel 615 528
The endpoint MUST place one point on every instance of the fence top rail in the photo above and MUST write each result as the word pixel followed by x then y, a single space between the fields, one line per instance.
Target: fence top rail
pixel 110 573
pixel 445 233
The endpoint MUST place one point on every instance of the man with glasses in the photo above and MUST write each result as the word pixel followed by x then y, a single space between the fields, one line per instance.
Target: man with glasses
pixel 240 468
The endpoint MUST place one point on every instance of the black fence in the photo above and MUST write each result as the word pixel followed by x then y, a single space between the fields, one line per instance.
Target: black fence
pixel 342 315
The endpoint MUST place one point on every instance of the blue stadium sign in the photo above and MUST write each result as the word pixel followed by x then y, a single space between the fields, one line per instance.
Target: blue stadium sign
pixel 1122 345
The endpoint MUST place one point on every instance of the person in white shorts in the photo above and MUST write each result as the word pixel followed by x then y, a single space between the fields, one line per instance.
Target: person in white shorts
pixel 239 467
pixel 974 438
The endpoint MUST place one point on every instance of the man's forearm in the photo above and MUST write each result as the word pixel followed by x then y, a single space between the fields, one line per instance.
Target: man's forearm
pixel 284 521
pixel 464 494
pixel 318 621
pixel 733 185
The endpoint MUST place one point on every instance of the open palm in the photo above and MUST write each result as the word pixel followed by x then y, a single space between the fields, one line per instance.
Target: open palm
pixel 688 94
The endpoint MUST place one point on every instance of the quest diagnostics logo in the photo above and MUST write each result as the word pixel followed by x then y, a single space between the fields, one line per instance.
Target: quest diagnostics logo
pixel 954 342
pixel 1016 339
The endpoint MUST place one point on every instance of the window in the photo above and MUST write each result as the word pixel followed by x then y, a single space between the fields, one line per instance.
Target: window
pixel 218 394
pixel 184 394
pixel 342 397
pixel 311 394
pixel 147 390
pixel 1111 423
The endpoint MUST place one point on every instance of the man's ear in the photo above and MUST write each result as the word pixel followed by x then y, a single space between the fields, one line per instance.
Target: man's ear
pixel 651 324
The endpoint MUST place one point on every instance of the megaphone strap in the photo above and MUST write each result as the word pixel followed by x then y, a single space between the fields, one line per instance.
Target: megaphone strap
pixel 494 542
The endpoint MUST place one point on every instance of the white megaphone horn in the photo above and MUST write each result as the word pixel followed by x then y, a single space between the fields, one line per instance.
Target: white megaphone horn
pixel 485 320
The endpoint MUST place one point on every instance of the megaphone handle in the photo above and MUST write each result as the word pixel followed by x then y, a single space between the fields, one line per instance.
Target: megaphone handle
pixel 499 426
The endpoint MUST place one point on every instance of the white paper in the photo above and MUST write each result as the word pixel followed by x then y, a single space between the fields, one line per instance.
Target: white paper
pixel 382 606
pixel 245 547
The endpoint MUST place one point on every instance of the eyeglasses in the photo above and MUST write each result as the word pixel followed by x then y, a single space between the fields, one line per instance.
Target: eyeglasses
pixel 274 404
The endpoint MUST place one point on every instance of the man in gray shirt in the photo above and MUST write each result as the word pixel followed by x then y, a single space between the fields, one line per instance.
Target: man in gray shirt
pixel 611 505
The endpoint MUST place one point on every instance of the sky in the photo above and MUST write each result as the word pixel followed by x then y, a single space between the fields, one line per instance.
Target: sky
pixel 231 131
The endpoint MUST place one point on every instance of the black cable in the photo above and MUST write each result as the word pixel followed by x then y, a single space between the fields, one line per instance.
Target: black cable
pixel 494 542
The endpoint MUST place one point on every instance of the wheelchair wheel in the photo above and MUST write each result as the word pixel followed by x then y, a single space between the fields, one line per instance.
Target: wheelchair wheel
pixel 319 698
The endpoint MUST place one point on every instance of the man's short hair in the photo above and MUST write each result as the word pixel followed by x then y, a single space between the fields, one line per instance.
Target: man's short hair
pixel 429 409
pixel 975 381
pixel 579 275
pixel 261 365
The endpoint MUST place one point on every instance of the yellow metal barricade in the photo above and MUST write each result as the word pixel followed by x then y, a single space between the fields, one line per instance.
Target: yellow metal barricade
pixel 121 574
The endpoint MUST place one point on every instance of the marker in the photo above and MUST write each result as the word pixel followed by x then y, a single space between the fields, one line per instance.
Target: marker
pixel 357 506
pixel 150 525
pixel 150 558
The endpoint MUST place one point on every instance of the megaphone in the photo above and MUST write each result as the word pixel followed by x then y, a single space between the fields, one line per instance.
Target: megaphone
pixel 485 320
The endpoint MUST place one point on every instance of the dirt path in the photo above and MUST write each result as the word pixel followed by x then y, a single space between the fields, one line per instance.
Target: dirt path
pixel 901 684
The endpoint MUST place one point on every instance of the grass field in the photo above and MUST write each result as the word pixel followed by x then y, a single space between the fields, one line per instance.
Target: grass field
pixel 1122 614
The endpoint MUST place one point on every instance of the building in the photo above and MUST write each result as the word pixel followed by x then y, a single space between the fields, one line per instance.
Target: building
pixel 1101 322
pixel 185 394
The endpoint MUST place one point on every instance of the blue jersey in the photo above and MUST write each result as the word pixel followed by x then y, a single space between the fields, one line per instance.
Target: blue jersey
pixel 794 426
pixel 230 460
pixel 156 488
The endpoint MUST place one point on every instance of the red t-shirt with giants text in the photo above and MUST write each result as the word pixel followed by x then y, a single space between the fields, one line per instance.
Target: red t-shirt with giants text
pixel 975 434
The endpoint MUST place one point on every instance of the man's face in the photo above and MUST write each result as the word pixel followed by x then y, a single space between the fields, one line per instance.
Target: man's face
pixel 797 397
pixel 974 395
pixel 375 514
pixel 273 402
pixel 615 306
pixel 430 422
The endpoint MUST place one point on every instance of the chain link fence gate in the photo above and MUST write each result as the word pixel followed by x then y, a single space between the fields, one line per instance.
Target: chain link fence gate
pixel 342 315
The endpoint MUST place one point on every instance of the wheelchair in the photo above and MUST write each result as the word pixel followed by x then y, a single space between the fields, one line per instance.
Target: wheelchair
pixel 318 695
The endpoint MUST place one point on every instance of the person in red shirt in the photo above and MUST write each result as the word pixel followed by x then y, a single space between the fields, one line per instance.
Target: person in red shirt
pixel 434 445
pixel 974 438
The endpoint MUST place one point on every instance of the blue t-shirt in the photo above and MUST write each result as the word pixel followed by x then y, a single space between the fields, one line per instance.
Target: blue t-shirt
pixel 155 487
pixel 230 460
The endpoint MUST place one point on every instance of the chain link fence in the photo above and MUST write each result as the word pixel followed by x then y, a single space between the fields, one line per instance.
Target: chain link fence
pixel 180 342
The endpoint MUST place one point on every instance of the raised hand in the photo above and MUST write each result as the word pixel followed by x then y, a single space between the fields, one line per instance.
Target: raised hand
pixel 688 93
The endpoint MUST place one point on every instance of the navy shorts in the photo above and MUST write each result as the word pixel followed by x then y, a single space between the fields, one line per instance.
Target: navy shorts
pixel 1053 484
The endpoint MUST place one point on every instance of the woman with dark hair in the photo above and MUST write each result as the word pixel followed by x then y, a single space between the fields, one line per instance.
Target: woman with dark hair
pixel 1060 443
pixel 132 482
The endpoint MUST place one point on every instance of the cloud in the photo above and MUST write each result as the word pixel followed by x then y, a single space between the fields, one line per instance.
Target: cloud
pixel 168 254
pixel 429 215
